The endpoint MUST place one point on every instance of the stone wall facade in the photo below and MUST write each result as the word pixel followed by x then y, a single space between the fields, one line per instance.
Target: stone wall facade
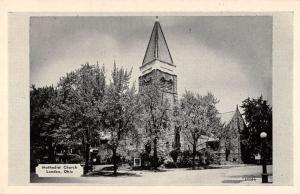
pixel 168 85
pixel 236 126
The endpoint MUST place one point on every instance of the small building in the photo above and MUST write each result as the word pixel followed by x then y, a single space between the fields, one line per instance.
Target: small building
pixel 231 140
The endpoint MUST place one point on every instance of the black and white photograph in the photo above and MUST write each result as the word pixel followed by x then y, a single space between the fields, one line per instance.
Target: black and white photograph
pixel 151 100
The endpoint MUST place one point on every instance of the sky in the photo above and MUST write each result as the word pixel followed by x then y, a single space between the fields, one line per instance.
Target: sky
pixel 230 56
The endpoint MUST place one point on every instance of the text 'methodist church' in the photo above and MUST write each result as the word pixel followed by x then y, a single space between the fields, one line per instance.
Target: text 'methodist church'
pixel 158 64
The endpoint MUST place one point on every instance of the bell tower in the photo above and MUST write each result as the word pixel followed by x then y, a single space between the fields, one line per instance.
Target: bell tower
pixel 158 64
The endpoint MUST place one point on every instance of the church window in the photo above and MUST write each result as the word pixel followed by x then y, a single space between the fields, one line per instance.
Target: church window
pixel 167 145
pixel 177 138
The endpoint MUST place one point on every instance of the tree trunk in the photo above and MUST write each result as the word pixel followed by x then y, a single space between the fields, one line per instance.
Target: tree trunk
pixel 50 151
pixel 227 152
pixel 87 153
pixel 87 157
pixel 194 155
pixel 155 157
pixel 115 160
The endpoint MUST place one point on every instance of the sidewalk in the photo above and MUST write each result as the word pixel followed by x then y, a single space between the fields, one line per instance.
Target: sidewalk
pixel 246 175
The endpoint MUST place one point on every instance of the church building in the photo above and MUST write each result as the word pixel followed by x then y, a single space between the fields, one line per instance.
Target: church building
pixel 159 65
pixel 231 148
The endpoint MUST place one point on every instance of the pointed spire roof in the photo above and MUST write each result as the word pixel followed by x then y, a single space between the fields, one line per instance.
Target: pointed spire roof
pixel 157 48
pixel 237 110
pixel 228 116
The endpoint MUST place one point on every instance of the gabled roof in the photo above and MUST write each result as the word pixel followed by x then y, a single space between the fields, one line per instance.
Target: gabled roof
pixel 226 117
pixel 157 48
pixel 205 138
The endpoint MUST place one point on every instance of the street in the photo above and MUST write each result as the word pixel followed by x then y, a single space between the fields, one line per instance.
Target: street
pixel 242 175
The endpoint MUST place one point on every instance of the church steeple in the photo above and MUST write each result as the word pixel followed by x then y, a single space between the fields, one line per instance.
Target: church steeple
pixel 157 48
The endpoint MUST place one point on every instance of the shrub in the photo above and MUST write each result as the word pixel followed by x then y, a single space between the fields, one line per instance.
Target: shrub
pixel 174 154
pixel 146 160
pixel 160 161
pixel 185 159
pixel 76 159
pixel 170 164
pixel 211 157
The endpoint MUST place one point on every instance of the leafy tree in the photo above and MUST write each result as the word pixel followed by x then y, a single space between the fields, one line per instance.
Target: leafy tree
pixel 121 107
pixel 53 131
pixel 258 116
pixel 38 99
pixel 228 134
pixel 198 117
pixel 44 120
pixel 156 116
pixel 81 93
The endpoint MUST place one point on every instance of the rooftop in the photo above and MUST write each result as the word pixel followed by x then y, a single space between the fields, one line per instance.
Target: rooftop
pixel 157 48
pixel 226 117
